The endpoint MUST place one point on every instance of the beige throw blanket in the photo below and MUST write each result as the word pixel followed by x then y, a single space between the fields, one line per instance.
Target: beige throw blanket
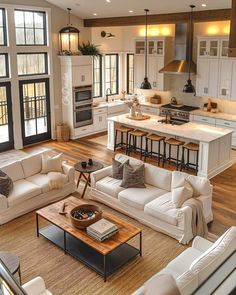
pixel 199 225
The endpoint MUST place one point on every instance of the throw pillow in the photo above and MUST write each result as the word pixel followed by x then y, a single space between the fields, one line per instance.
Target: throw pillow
pixel 51 164
pixel 118 168
pixel 133 176
pixel 161 284
pixel 182 194
pixel 6 184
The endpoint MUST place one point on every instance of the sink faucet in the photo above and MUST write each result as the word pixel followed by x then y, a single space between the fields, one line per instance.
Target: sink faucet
pixel 107 96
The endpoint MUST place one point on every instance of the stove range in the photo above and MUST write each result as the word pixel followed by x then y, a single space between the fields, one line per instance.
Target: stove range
pixel 176 114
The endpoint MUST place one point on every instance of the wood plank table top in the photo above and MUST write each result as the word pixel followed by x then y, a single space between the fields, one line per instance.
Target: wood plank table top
pixel 126 230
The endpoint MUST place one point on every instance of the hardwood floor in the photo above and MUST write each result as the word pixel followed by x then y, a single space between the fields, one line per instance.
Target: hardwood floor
pixel 224 193
pixel 66 276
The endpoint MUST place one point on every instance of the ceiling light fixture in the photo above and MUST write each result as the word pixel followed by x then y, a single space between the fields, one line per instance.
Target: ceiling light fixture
pixel 145 84
pixel 131 11
pixel 95 14
pixel 108 1
pixel 107 35
pixel 189 88
pixel 204 5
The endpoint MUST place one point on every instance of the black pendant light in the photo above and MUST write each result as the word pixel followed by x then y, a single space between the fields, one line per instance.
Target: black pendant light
pixel 189 88
pixel 146 84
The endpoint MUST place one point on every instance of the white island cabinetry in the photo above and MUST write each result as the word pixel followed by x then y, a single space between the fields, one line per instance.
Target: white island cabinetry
pixel 215 143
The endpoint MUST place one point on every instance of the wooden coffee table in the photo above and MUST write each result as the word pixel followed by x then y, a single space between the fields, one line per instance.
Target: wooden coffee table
pixel 103 257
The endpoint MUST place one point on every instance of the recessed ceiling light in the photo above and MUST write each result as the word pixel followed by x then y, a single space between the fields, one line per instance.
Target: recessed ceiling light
pixel 131 11
pixel 108 1
pixel 95 14
pixel 204 5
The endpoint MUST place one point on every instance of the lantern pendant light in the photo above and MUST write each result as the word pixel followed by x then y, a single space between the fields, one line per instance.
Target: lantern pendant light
pixel 189 88
pixel 146 84
pixel 69 38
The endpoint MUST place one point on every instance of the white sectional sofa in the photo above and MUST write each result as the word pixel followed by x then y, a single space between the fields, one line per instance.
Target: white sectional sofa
pixel 30 188
pixel 196 264
pixel 153 205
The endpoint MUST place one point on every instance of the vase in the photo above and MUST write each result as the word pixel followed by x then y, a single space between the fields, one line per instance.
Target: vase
pixel 132 112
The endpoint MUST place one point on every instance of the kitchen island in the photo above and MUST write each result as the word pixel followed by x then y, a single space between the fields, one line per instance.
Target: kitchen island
pixel 215 143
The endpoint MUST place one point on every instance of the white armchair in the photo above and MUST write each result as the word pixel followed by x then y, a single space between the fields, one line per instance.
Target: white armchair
pixel 36 287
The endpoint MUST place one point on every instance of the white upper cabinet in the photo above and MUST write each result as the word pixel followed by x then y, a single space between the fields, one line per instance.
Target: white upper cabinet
pixel 208 47
pixel 160 51
pixel 224 47
pixel 225 78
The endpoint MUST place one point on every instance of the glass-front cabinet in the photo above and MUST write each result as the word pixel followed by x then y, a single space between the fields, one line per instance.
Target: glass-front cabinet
pixel 213 47
pixel 154 47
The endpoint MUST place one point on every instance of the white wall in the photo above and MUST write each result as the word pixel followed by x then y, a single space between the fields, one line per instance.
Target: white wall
pixel 58 20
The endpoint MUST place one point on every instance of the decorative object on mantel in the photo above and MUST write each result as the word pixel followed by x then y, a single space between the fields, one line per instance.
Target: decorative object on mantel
pixel 84 215
pixel 145 84
pixel 63 132
pixel 69 38
pixel 89 49
pixel 155 99
pixel 189 88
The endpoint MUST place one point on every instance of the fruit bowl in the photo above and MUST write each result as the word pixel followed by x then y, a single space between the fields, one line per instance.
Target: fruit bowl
pixel 84 215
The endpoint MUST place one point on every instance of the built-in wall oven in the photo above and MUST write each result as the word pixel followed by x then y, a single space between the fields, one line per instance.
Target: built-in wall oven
pixel 83 100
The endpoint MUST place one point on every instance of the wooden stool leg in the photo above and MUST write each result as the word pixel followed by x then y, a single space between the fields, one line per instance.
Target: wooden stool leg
pixel 151 147
pixel 164 155
pixel 188 158
pixel 127 136
pixel 129 144
pixel 115 141
pixel 169 152
pixel 146 149
pixel 177 158
pixel 122 140
pixel 141 148
pixel 197 162
pixel 159 152
pixel 182 161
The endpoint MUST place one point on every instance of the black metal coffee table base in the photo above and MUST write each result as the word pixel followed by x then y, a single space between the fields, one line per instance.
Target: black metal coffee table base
pixel 104 265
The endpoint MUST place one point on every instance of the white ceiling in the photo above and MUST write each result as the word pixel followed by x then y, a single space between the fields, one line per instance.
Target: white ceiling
pixel 86 8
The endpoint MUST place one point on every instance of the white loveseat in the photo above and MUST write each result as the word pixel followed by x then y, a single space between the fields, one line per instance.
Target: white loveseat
pixel 153 205
pixel 30 188
pixel 195 265
pixel 36 287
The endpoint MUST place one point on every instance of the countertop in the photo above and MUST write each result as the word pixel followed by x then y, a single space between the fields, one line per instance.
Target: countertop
pixel 223 116
pixel 103 104
pixel 193 131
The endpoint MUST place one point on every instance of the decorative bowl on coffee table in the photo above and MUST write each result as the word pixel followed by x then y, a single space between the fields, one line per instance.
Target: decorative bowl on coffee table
pixel 84 215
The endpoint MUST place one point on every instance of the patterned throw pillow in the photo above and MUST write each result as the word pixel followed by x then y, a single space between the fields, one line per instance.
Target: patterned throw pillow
pixel 133 176
pixel 6 184
pixel 117 168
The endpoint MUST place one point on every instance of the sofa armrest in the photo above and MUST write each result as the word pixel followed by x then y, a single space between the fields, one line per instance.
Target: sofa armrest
pixel 201 244
pixel 102 173
pixel 185 224
pixel 35 286
pixel 69 171
pixel 187 282
pixel 3 203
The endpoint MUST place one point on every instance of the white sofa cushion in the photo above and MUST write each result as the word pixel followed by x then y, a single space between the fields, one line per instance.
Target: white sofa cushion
pixel 22 191
pixel 40 180
pixel 139 197
pixel 162 284
pixel 182 262
pixel 32 165
pixel 158 177
pixel 110 186
pixel 201 185
pixel 163 209
pixel 14 171
pixel 182 194
pixel 51 163
pixel 215 255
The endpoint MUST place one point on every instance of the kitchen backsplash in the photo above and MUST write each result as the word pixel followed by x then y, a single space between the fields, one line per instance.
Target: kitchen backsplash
pixel 176 83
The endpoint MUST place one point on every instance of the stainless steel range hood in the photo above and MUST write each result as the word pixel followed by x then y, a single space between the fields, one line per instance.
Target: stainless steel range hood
pixel 180 64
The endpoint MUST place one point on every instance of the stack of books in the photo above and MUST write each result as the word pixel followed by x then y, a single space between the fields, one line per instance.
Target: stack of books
pixel 102 230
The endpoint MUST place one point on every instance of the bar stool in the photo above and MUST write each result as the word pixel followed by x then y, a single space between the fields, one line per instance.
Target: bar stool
pixel 190 147
pixel 133 135
pixel 123 130
pixel 176 143
pixel 153 138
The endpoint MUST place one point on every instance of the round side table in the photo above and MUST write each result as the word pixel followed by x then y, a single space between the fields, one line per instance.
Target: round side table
pixel 87 170
pixel 12 262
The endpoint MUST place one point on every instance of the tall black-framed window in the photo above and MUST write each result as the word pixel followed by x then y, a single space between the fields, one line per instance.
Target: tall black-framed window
pixel 31 27
pixel 32 63
pixel 4 65
pixel 97 76
pixel 3 29
pixel 112 73
pixel 130 73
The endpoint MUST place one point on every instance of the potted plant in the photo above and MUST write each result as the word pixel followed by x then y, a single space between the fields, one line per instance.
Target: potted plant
pixel 89 49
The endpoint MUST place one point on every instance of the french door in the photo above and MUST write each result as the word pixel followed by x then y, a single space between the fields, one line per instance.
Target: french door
pixel 35 110
pixel 6 123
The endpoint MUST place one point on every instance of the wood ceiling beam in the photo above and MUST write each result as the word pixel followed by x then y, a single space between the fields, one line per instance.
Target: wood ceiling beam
pixel 171 18
pixel 232 36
